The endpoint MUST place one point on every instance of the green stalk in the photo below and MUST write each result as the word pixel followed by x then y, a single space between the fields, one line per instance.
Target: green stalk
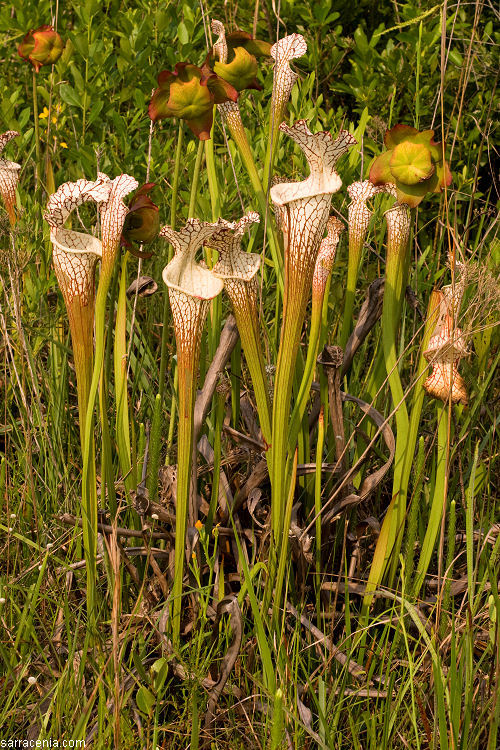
pixel 395 281
pixel 38 152
pixel 283 550
pixel 237 130
pixel 304 238
pixel 108 494
pixel 359 218
pixel 296 295
pixel 323 337
pixel 276 116
pixel 196 177
pixel 120 368
pixel 213 186
pixel 173 409
pixel 278 721
pixel 317 509
pixel 187 367
pixel 213 183
pixel 89 490
pixel 350 295
pixel 175 179
pixel 450 556
pixel 79 302
pixel 221 392
pixel 308 373
pixel 383 548
pixel 243 298
pixel 283 384
pixel 406 449
pixel 409 556
pixel 438 504
pixel 81 320
pixel 156 427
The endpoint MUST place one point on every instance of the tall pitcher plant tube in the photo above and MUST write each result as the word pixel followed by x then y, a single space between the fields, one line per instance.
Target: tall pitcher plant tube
pixel 9 177
pixel 398 235
pixel 238 271
pixel 289 48
pixel 75 255
pixel 322 270
pixel 359 216
pixel 112 214
pixel 303 208
pixel 231 116
pixel 190 289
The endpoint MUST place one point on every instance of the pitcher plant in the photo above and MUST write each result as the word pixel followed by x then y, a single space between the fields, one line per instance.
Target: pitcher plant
pixel 190 289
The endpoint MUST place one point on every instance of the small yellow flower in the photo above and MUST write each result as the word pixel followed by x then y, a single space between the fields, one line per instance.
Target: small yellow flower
pixel 43 114
pixel 63 144
pixel 199 525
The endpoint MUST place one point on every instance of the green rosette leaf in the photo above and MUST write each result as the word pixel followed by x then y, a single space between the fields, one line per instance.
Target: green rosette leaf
pixel 190 93
pixel 413 163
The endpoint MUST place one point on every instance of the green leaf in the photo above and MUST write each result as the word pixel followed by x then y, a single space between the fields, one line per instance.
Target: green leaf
pixel 69 95
pixel 182 33
pixel 145 700
pixel 95 111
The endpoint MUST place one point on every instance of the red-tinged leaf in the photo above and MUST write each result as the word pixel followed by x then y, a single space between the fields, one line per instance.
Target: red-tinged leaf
pixel 397 134
pixel 380 170
pixel 43 46
pixel 441 178
pixel 186 72
pixel 158 106
pixel 135 252
pixel 257 47
pixel 201 127
pixel 412 195
pixel 190 93
pixel 165 78
pixel 142 223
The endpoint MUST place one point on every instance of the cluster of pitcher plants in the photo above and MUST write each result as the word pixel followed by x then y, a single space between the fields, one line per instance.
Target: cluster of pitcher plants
pixel 302 227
